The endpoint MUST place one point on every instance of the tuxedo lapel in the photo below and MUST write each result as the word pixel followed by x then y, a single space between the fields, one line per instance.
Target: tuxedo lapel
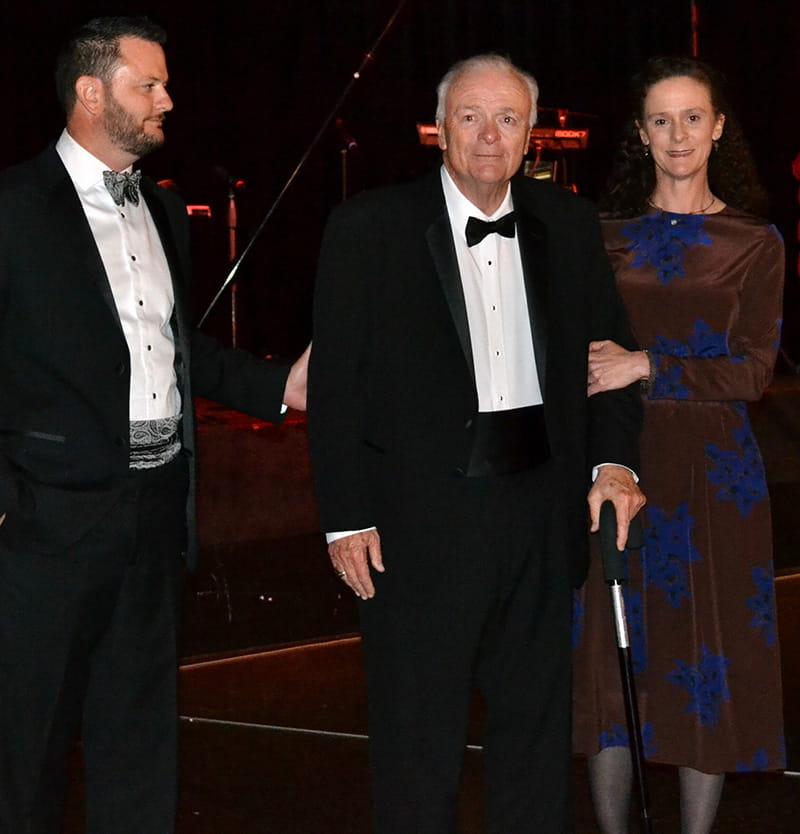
pixel 70 234
pixel 533 252
pixel 440 243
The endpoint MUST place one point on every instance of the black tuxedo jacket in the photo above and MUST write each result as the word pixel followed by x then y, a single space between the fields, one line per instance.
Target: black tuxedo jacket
pixel 392 373
pixel 65 367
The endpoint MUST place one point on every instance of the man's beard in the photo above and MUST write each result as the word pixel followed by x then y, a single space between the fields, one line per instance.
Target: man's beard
pixel 126 133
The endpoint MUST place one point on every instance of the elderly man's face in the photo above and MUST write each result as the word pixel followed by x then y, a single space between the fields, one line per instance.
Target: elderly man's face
pixel 485 133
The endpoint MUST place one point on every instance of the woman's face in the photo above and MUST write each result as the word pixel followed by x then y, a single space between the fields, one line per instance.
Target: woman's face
pixel 679 127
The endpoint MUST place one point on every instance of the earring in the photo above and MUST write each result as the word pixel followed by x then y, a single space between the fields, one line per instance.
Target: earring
pixel 645 151
pixel 715 144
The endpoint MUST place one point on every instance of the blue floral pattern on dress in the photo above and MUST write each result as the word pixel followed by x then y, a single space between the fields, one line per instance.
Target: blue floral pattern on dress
pixel 706 684
pixel 668 549
pixel 667 382
pixel 671 347
pixel 703 343
pixel 739 473
pixel 618 737
pixel 634 614
pixel 763 604
pixel 776 345
pixel 663 239
pixel 740 407
pixel 760 762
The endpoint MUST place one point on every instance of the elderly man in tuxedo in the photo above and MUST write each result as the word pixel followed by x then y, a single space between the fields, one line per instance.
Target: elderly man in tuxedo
pixel 453 447
pixel 98 366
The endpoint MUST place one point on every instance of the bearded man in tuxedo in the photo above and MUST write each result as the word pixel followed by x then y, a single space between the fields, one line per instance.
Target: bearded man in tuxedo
pixel 98 366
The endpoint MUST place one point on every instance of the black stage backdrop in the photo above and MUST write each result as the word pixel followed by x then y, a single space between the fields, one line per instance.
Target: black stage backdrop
pixel 253 82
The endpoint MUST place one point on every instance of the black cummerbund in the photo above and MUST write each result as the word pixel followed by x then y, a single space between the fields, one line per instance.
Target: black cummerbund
pixel 508 441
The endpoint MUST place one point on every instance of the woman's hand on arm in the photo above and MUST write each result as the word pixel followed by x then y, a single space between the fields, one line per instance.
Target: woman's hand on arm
pixel 612 367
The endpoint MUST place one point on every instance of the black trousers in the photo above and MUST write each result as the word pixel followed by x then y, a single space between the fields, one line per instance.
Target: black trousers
pixel 475 592
pixel 88 647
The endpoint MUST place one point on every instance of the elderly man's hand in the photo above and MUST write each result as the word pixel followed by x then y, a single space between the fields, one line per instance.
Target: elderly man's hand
pixel 616 484
pixel 352 556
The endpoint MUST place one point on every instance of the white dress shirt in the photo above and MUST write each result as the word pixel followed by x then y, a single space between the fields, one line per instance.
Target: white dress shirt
pixel 137 270
pixel 497 308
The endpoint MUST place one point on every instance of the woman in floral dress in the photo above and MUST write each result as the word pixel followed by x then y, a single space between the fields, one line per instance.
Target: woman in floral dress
pixel 701 276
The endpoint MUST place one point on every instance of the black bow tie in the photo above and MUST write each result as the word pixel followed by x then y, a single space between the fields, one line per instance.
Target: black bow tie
pixel 478 229
pixel 123 187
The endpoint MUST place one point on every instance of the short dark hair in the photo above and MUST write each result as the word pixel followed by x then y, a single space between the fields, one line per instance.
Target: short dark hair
pixel 93 49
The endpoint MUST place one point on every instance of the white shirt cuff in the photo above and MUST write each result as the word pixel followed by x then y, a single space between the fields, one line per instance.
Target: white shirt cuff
pixel 601 465
pixel 332 537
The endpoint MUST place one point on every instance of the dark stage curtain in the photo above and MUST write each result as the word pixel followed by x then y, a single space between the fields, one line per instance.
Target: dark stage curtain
pixel 252 82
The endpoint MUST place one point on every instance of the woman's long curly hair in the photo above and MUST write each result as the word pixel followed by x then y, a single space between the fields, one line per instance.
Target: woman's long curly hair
pixel 732 173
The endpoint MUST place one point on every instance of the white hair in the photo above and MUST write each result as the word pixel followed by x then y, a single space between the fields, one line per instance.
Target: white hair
pixel 483 62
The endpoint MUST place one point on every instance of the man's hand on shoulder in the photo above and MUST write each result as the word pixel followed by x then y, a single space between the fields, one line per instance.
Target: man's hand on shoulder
pixel 294 394
pixel 351 558
pixel 616 484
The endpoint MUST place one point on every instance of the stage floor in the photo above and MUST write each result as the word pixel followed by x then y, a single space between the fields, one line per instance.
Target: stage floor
pixel 274 743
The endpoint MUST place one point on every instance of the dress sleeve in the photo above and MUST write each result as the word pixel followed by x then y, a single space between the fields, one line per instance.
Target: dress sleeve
pixel 739 364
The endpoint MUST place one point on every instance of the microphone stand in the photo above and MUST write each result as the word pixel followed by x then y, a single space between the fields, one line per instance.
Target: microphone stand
pixel 368 56
pixel 232 249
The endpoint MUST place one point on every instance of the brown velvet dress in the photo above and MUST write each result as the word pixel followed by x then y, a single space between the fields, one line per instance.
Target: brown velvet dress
pixel 704 297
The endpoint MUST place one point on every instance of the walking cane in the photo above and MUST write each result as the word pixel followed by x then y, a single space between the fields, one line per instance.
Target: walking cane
pixel 614 571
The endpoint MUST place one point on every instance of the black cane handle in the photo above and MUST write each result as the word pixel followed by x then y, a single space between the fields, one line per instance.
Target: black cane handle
pixel 613 559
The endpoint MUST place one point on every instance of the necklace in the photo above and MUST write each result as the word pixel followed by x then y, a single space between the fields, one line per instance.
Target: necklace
pixel 699 211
